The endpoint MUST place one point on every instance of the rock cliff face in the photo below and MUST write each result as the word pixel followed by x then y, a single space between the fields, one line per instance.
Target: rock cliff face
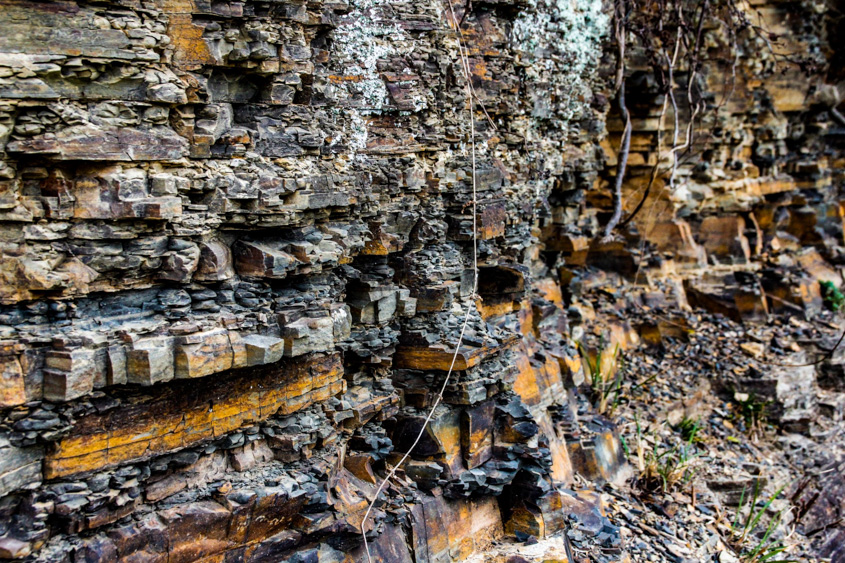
pixel 237 245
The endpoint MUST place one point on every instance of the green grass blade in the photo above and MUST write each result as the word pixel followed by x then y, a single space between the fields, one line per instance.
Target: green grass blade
pixel 766 506
pixel 739 510
pixel 751 514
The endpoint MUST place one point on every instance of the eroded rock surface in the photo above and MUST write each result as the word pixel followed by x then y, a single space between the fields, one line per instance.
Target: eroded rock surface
pixel 237 243
pixel 237 253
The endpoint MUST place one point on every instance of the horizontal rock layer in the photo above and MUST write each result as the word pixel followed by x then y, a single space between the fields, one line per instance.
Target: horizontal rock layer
pixel 243 244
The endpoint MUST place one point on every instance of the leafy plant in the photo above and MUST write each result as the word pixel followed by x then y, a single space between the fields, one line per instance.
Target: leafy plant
pixel 832 297
pixel 766 548
pixel 605 382
pixel 689 429
pixel 663 467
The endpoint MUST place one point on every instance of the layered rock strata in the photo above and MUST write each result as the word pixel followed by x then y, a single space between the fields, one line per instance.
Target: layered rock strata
pixel 237 243
pixel 237 248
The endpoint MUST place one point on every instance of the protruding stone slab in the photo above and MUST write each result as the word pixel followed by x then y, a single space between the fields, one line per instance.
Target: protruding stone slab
pixel 676 237
pixel 112 194
pixel 439 357
pixel 202 353
pixel 69 374
pixel 361 467
pixel 450 530
pixel 84 142
pixel 373 304
pixel 504 281
pixel 724 237
pixel 215 262
pixel 261 260
pixel 12 387
pixel 150 361
pixel 262 350
pixel 440 442
pixel 308 335
pixel 10 548
pixel 19 467
pixel 116 365
pixel 477 434
pixel 182 261
pixel 490 222
pixel 251 454
pixel 818 268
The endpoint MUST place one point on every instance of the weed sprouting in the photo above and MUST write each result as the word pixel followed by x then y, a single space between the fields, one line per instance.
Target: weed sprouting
pixel 605 380
pixel 689 429
pixel 752 411
pixel 764 549
pixel 663 467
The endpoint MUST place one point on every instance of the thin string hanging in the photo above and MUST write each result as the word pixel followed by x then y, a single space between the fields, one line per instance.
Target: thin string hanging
pixel 470 108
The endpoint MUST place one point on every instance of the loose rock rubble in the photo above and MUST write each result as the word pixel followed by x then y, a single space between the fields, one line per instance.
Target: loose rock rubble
pixel 709 373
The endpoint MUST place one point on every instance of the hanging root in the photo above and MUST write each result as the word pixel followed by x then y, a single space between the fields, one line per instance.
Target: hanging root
pixel 620 168
pixel 620 17
pixel 670 96
pixel 838 116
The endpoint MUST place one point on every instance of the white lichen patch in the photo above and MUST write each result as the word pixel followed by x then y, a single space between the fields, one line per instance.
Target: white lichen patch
pixel 561 42
pixel 364 38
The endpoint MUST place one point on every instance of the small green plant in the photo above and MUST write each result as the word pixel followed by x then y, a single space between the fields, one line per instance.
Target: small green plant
pixel 752 411
pixel 606 384
pixel 832 297
pixel 766 548
pixel 689 429
pixel 663 467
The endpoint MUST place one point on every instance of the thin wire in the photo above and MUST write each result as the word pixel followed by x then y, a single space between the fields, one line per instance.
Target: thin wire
pixel 392 472
pixel 465 60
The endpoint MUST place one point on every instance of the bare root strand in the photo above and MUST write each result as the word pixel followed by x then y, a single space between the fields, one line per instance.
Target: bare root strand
pixel 838 116
pixel 670 95
pixel 620 168
pixel 621 29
